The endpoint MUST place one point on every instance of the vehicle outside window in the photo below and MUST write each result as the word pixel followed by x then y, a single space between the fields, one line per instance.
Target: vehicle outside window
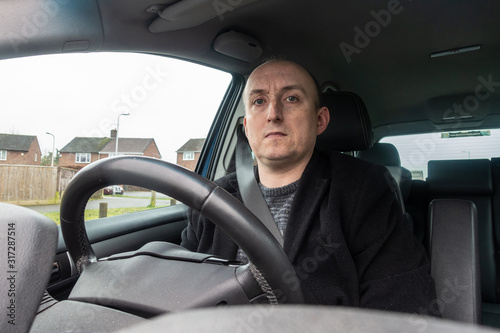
pixel 75 109
pixel 418 149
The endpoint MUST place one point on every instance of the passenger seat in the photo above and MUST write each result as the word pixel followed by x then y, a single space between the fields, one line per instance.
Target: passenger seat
pixel 386 154
pixel 471 180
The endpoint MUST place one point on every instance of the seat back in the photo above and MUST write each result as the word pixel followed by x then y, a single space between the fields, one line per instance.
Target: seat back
pixel 28 242
pixel 386 154
pixel 470 180
pixel 454 259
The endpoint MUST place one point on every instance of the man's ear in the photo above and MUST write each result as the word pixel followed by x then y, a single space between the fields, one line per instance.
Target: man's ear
pixel 323 119
pixel 245 126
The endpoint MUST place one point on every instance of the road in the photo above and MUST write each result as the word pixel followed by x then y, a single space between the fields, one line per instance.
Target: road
pixel 129 199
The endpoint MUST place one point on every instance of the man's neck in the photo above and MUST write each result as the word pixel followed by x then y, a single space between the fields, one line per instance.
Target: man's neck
pixel 277 175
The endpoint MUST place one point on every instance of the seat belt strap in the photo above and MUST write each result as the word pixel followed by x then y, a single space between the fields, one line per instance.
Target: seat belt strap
pixel 249 189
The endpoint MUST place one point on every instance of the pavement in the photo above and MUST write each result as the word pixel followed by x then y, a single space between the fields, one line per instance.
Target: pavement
pixel 139 199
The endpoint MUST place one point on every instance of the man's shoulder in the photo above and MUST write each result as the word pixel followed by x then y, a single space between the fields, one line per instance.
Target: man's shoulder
pixel 348 172
pixel 344 164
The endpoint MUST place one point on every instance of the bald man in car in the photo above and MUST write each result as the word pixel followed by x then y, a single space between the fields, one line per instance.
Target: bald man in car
pixel 328 206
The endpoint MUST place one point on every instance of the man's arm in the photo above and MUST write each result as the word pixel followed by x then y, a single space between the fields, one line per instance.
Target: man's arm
pixel 190 239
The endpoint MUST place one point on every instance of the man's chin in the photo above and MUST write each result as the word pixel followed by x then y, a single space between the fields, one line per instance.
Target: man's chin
pixel 277 159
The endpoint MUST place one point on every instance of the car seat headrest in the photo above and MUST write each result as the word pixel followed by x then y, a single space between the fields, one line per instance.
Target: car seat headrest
pixel 350 127
pixel 381 153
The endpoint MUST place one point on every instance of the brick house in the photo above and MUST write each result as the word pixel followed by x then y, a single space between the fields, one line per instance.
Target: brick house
pixel 189 154
pixel 82 151
pixel 19 149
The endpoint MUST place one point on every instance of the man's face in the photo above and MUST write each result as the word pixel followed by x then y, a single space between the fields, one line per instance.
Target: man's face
pixel 281 120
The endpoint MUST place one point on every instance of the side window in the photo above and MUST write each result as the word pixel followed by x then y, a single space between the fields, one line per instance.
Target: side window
pixel 416 150
pixel 91 106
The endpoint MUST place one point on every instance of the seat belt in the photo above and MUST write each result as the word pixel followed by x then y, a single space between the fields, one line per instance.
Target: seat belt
pixel 249 189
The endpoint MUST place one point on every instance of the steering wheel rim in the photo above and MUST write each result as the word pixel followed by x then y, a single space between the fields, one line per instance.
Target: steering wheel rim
pixel 197 192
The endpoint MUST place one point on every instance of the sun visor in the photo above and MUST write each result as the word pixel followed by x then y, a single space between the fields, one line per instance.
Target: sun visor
pixel 238 46
pixel 191 13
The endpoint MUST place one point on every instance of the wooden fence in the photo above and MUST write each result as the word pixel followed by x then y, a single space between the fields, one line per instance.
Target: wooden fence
pixel 33 185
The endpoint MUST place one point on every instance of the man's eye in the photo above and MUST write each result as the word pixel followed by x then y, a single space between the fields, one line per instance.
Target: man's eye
pixel 258 101
pixel 291 99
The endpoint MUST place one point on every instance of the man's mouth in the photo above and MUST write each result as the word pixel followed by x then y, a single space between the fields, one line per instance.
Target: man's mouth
pixel 275 134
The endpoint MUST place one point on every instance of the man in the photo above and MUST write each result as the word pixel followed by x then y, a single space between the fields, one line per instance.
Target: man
pixel 343 228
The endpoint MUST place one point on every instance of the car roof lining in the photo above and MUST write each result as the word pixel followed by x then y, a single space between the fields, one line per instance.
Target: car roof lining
pixel 49 27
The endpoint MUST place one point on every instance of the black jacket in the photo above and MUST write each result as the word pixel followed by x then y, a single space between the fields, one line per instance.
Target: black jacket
pixel 346 237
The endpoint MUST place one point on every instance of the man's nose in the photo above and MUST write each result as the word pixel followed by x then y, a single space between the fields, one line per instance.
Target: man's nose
pixel 275 112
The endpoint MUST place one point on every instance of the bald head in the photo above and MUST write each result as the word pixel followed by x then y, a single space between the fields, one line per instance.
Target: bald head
pixel 277 68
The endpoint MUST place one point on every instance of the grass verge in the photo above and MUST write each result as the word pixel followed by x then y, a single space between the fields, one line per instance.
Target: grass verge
pixel 92 214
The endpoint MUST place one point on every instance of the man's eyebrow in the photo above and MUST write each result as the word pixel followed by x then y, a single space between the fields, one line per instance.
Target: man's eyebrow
pixel 294 87
pixel 256 92
pixel 286 88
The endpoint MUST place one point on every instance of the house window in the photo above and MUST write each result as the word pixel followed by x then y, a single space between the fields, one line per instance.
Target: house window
pixel 3 155
pixel 83 158
pixel 36 157
pixel 188 156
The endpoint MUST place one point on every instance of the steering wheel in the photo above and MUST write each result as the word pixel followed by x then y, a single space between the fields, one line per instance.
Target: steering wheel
pixel 268 263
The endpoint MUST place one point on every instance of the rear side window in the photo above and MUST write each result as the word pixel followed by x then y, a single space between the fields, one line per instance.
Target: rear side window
pixel 416 150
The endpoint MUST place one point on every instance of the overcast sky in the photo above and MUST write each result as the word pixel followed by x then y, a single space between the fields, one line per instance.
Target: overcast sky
pixel 73 95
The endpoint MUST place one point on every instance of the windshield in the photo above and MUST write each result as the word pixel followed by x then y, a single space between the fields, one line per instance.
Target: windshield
pixel 85 107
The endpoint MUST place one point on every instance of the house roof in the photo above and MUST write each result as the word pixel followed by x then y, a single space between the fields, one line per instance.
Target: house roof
pixel 192 145
pixel 127 145
pixel 16 142
pixel 85 145
pixel 107 145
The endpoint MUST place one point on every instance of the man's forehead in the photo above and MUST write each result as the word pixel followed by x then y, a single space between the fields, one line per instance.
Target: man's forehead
pixel 280 76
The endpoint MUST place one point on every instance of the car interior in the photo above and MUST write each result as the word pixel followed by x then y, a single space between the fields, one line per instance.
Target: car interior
pixel 383 68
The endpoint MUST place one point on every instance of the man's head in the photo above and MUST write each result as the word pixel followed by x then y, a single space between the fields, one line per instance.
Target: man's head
pixel 283 114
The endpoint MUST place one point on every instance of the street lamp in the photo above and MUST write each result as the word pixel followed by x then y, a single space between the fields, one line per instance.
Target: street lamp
pixel 53 147
pixel 117 129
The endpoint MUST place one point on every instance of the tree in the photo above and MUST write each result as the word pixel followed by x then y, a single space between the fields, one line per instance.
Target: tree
pixel 47 158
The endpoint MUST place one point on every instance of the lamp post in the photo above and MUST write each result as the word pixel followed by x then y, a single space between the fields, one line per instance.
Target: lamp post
pixel 117 130
pixel 53 147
